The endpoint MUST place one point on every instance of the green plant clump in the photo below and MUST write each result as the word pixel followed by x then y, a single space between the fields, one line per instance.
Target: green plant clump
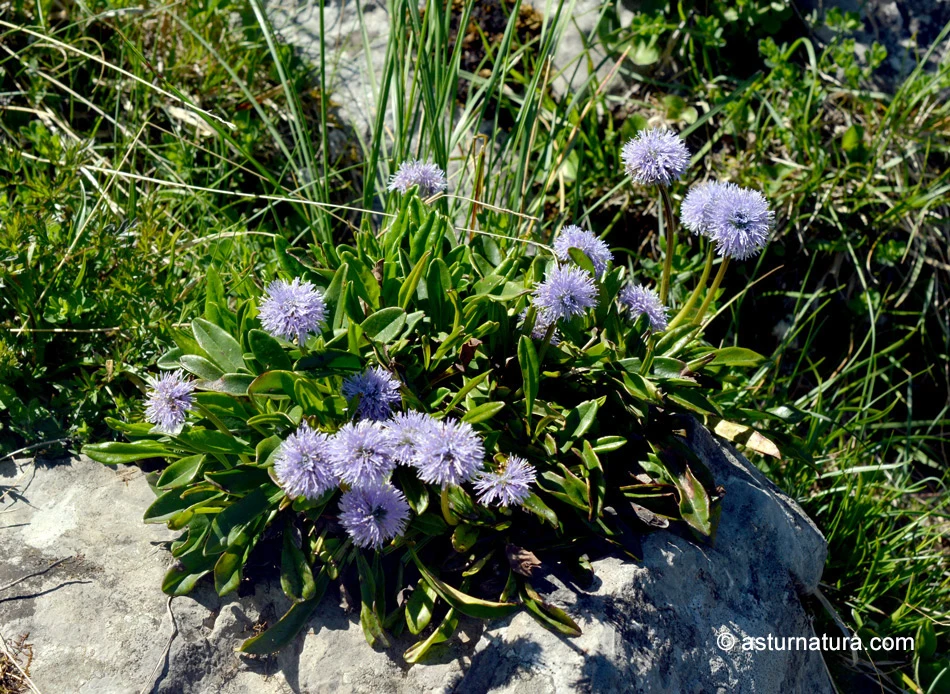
pixel 551 406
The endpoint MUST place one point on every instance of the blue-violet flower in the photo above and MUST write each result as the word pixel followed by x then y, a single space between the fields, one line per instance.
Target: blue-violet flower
pixel 509 486
pixel 740 222
pixel 639 300
pixel 303 464
pixel 450 455
pixel 567 291
pixel 594 248
pixel 655 157
pixel 406 431
pixel 169 399
pixel 292 309
pixel 361 455
pixel 378 391
pixel 373 515
pixel 429 177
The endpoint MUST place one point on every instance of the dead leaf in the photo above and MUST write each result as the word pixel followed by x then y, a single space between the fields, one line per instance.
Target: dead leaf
pixel 521 560
pixel 748 437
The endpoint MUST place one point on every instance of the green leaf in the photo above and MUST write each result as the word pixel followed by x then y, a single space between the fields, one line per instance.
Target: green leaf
pixel 242 479
pixel 170 360
pixel 534 504
pixel 269 352
pixel 116 452
pixel 408 288
pixel 580 418
pixel 469 386
pixel 181 472
pixel 463 537
pixel 606 444
pixel 733 356
pixel 296 577
pixel 464 603
pixel 420 606
pixel 273 383
pixel 186 571
pixel 417 651
pixel 222 349
pixel 329 362
pixel 672 341
pixel 369 618
pixel 227 525
pixel 228 570
pixel 212 441
pixel 417 493
pixel 438 283
pixel 429 524
pixel 483 412
pixel 596 481
pixel 530 371
pixel 581 260
pixel 291 624
pixel 547 615
pixel 692 400
pixel 201 367
pixel 233 384
pixel 172 502
pixel 384 325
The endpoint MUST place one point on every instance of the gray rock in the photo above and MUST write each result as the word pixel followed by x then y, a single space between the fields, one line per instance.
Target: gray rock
pixel 906 28
pixel 99 623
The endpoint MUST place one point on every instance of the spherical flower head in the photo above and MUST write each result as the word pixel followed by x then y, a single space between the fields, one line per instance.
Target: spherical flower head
pixel 292 309
pixel 740 222
pixel 509 486
pixel 655 157
pixel 450 455
pixel 429 177
pixel 168 401
pixel 303 464
pixel 360 454
pixel 639 300
pixel 567 291
pixel 542 321
pixel 699 203
pixel 406 431
pixel 373 515
pixel 594 248
pixel 378 391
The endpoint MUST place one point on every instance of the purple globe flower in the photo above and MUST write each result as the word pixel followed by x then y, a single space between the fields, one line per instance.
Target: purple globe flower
pixel 639 300
pixel 361 455
pixel 303 464
pixel 406 430
pixel 373 515
pixel 740 222
pixel 574 237
pixel 542 321
pixel 509 486
pixel 377 390
pixel 451 454
pixel 169 399
pixel 429 177
pixel 699 202
pixel 655 157
pixel 567 291
pixel 292 309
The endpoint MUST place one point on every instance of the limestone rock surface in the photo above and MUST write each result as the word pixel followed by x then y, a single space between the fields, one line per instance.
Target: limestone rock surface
pixel 98 622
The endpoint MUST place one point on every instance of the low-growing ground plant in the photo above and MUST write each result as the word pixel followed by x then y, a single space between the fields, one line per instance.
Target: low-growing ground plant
pixel 436 410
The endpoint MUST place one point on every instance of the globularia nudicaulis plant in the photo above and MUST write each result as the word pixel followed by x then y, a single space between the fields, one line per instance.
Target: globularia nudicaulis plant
pixel 425 411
